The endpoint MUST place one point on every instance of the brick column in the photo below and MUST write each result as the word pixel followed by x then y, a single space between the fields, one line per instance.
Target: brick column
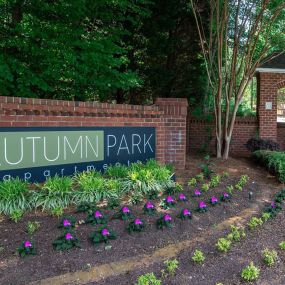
pixel 267 106
pixel 175 115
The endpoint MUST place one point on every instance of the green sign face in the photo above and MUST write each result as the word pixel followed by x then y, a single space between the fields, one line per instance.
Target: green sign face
pixel 37 149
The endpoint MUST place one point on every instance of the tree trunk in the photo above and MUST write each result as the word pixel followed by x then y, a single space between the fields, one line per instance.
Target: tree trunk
pixel 227 148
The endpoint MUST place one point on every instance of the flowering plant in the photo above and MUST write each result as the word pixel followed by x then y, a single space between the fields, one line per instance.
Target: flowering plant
pixel 149 208
pixel 273 209
pixel 182 197
pixel 226 197
pixel 197 193
pixel 214 201
pixel 168 202
pixel 137 225
pixel 67 222
pixel 124 214
pixel 185 214
pixel 26 248
pixel 164 221
pixel 202 207
pixel 95 218
pixel 66 241
pixel 102 235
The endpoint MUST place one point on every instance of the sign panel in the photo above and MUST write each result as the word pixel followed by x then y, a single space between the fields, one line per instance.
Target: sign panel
pixel 33 154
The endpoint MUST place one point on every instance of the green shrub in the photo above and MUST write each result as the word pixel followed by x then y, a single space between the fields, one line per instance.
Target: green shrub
pixel 282 245
pixel 254 222
pixel 192 182
pixel 148 279
pixel 116 171
pixel 215 181
pixel 198 256
pixel 236 233
pixel 230 189
pixel 16 215
pixel 200 177
pixel 32 227
pixel 171 266
pixel 250 273
pixel 223 244
pixel 57 211
pixel 265 217
pixel 269 256
pixel 225 174
pixel 13 196
pixel 56 192
pixel 205 187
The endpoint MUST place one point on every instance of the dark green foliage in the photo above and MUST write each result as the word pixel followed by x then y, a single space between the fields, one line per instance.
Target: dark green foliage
pixel 136 225
pixel 95 218
pixel 67 222
pixel 103 235
pixel 124 214
pixel 64 242
pixel 206 167
pixel 164 222
pixel 24 250
pixel 274 161
pixel 85 208
pixel 260 144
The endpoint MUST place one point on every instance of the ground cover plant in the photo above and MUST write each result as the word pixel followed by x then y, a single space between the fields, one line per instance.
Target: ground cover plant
pixel 26 248
pixel 66 241
pixel 250 273
pixel 137 225
pixel 104 235
pixel 95 218
pixel 198 256
pixel 269 256
pixel 148 279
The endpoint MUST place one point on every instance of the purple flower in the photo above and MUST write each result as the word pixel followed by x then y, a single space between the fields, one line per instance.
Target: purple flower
pixel 167 218
pixel 149 205
pixel 273 205
pixel 186 212
pixel 197 193
pixel 226 195
pixel 66 223
pixel 182 197
pixel 68 236
pixel 27 244
pixel 98 215
pixel 105 232
pixel 169 199
pixel 125 210
pixel 214 200
pixel 138 222
pixel 202 205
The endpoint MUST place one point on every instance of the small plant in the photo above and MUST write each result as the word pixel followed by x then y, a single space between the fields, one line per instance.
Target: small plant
pixel 137 225
pixel 243 180
pixel 215 181
pixel 205 187
pixel 273 209
pixel 85 208
pixel 95 218
pixel 265 216
pixel 223 244
pixel 182 197
pixel 26 248
pixel 168 202
pixel 225 174
pixel 202 207
pixel 230 189
pixel 67 223
pixel 250 273
pixel 113 203
pixel 185 214
pixel 171 266
pixel 226 197
pixel 200 177
pixel 198 256
pixel 103 235
pixel 149 208
pixel 197 193
pixel 16 215
pixel 136 198
pixel 206 167
pixel 192 182
pixel 254 222
pixel 148 279
pixel 214 201
pixel 32 227
pixel 66 241
pixel 269 256
pixel 236 233
pixel 238 187
pixel 124 214
pixel 57 211
pixel 282 245
pixel 165 221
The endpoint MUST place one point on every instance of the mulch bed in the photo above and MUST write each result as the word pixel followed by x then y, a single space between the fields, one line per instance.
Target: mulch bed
pixel 47 263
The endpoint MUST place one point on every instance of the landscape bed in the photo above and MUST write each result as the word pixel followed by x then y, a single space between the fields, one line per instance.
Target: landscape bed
pixel 126 245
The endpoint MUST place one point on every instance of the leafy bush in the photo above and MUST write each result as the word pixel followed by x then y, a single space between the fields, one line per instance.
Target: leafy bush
pixel 116 171
pixel 137 225
pixel 13 196
pixel 205 187
pixel 32 227
pixel 215 181
pixel 236 233
pixel 66 241
pixel 200 177
pixel 250 273
pixel 16 215
pixel 254 222
pixel 223 244
pixel 26 248
pixel 192 182
pixel 57 211
pixel 198 256
pixel 230 189
pixel 102 235
pixel 269 256
pixel 171 266
pixel 260 144
pixel 56 192
pixel 265 216
pixel 148 279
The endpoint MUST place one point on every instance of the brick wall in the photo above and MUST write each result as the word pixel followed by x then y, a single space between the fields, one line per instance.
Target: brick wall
pixel 168 116
pixel 201 134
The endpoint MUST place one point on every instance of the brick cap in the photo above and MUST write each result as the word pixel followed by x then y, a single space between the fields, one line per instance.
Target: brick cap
pixel 172 101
